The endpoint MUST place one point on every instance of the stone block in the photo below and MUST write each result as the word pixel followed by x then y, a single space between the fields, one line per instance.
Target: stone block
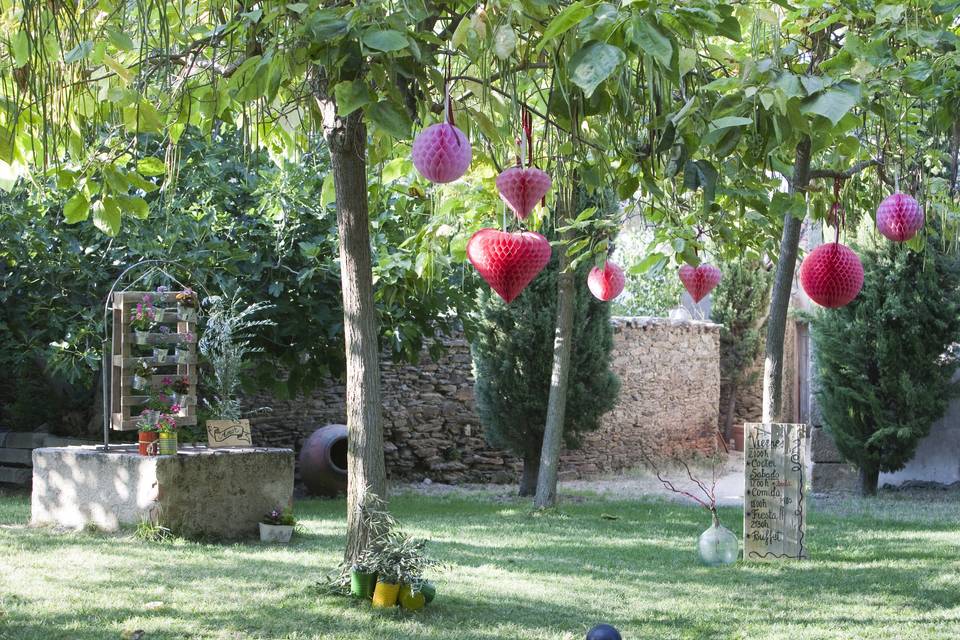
pixel 822 447
pixel 13 475
pixel 15 457
pixel 834 477
pixel 221 493
pixel 24 440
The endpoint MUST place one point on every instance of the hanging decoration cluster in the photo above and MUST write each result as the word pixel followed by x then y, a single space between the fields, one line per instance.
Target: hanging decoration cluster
pixel 831 275
pixel 899 217
pixel 699 281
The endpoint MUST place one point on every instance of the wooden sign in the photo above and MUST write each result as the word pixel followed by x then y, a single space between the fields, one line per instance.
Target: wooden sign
pixel 228 433
pixel 775 499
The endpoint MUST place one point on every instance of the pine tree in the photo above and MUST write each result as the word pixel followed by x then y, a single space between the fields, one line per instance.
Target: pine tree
pixel 512 347
pixel 885 361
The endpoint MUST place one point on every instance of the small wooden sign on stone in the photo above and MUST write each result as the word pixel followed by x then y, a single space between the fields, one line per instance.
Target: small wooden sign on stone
pixel 228 433
pixel 775 496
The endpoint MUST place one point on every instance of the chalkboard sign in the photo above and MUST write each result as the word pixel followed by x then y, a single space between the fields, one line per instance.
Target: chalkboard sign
pixel 775 500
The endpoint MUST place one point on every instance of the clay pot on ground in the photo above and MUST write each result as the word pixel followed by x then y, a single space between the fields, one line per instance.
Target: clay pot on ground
pixel 323 461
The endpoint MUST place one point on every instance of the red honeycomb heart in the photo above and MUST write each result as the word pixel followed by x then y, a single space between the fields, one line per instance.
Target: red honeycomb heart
pixel 508 261
pixel 441 153
pixel 522 189
pixel 899 217
pixel 607 283
pixel 699 281
pixel 832 275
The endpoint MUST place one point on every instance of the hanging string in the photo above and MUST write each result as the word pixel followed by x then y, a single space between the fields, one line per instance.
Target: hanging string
pixel 837 212
pixel 447 102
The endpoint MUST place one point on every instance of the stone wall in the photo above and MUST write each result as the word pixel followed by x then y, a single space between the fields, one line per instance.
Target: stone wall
pixel 669 400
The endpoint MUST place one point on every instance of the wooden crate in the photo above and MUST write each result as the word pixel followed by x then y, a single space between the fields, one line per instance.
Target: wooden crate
pixel 126 403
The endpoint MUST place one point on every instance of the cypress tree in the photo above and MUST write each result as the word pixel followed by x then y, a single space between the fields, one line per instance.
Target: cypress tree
pixel 512 348
pixel 885 361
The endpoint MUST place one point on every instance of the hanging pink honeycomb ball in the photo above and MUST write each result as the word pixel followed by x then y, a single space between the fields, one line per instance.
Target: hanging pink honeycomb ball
pixel 832 275
pixel 607 283
pixel 899 217
pixel 441 153
pixel 508 261
pixel 699 281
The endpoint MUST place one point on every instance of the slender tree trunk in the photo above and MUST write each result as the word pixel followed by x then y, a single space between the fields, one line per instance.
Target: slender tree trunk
pixel 528 479
pixel 731 407
pixel 557 402
pixel 869 479
pixel 780 294
pixel 347 141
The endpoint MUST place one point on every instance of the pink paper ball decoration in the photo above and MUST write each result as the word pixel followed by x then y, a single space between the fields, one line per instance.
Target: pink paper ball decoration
pixel 899 217
pixel 831 275
pixel 522 189
pixel 699 281
pixel 607 283
pixel 441 153
pixel 508 261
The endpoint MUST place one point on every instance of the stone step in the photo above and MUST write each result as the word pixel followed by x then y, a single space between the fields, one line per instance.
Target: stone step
pixel 11 475
pixel 15 457
pixel 22 440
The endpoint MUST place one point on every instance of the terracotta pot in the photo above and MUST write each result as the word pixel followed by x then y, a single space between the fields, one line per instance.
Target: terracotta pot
pixel 147 443
pixel 385 595
pixel 362 584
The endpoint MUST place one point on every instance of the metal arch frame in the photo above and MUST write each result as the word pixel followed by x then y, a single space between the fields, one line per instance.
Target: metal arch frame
pixel 157 266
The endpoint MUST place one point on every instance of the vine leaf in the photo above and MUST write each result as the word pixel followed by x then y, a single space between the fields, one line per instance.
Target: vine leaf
pixel 593 64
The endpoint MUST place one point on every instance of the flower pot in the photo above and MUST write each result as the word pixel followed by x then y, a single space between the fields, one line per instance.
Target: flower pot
pixel 718 545
pixel 186 314
pixel 168 443
pixel 158 313
pixel 410 600
pixel 139 382
pixel 141 337
pixel 385 595
pixel 362 584
pixel 275 532
pixel 160 355
pixel 183 356
pixel 178 398
pixel 428 590
pixel 147 443
pixel 151 416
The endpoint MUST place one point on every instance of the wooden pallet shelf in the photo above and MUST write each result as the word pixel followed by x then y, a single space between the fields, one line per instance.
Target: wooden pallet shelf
pixel 127 354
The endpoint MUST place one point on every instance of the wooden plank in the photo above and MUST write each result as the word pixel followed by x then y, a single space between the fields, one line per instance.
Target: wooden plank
pixel 775 496
pixel 120 361
pixel 154 380
pixel 160 338
pixel 130 424
pixel 135 401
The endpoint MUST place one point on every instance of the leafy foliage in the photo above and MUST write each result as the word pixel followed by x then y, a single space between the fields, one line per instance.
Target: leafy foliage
pixel 885 361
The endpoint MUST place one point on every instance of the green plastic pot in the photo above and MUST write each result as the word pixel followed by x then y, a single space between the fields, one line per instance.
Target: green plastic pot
pixel 362 584
pixel 429 591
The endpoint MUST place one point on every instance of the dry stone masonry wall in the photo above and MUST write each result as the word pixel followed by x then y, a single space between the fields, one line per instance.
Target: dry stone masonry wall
pixel 669 399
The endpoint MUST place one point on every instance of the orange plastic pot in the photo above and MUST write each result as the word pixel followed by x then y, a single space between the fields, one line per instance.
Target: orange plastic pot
pixel 385 595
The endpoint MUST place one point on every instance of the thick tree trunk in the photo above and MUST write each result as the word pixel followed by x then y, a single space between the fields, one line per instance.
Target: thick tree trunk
pixel 780 294
pixel 347 140
pixel 528 479
pixel 869 479
pixel 557 402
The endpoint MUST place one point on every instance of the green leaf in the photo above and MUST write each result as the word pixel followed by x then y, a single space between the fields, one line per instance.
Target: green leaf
pixel 328 193
pixel 79 52
pixel 20 44
pixel 120 40
pixel 351 96
pixel 134 205
pixel 648 263
pixel 326 26
pixel 385 40
pixel 651 39
pixel 396 169
pixel 151 166
pixel 391 118
pixel 139 182
pixel 106 216
pixel 563 22
pixel 593 64
pixel 729 121
pixel 76 209
pixel 832 104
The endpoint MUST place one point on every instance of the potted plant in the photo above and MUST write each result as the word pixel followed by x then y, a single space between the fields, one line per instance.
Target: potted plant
pixel 226 345
pixel 161 351
pixel 167 437
pixel 142 372
pixel 147 433
pixel 401 563
pixel 183 349
pixel 277 526
pixel 176 389
pixel 187 305
pixel 363 575
pixel 159 310
pixel 142 320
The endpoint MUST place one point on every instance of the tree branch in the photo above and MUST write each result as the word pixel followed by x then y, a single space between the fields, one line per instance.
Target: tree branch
pixel 843 175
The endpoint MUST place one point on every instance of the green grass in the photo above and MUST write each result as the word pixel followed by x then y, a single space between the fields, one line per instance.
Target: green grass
pixel 887 568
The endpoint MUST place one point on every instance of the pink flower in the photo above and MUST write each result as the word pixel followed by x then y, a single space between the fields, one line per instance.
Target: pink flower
pixel 174 408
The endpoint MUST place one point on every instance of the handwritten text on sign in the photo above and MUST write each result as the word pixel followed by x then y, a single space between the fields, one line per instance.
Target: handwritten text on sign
pixel 774 503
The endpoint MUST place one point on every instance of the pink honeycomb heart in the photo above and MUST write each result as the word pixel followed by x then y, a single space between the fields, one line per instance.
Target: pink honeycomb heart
pixel 441 153
pixel 699 281
pixel 607 283
pixel 831 275
pixel 899 217
pixel 508 261
pixel 522 189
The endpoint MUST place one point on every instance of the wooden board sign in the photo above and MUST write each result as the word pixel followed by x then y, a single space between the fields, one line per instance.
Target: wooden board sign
pixel 228 433
pixel 775 499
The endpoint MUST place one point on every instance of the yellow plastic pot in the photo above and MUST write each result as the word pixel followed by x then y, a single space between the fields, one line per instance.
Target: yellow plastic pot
pixel 410 600
pixel 385 595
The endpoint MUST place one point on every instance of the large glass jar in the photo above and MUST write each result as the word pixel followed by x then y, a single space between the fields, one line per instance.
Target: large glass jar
pixel 718 545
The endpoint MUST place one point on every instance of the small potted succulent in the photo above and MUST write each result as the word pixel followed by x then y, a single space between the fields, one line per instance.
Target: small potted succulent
pixel 142 372
pixel 147 433
pixel 183 348
pixel 187 305
pixel 142 320
pixel 167 440
pixel 277 526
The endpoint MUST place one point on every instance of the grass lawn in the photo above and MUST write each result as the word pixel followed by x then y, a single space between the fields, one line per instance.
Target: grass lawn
pixel 885 568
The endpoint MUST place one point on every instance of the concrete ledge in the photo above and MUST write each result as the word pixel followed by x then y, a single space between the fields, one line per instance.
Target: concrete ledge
pixel 220 493
pixel 15 457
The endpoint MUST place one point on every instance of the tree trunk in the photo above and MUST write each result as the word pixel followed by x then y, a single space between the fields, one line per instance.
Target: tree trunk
pixel 557 402
pixel 731 407
pixel 780 294
pixel 347 140
pixel 869 479
pixel 528 479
